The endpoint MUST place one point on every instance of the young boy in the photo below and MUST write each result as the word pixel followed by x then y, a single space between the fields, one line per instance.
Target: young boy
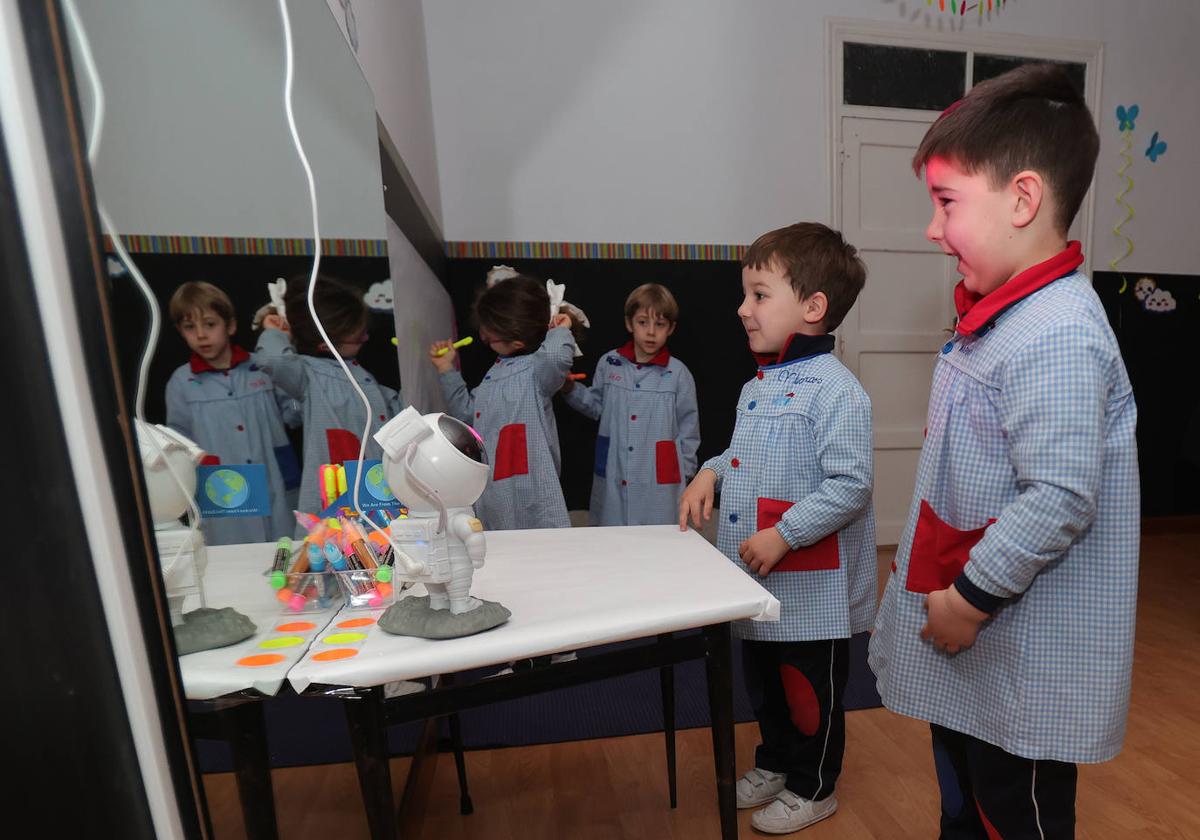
pixel 227 405
pixel 1008 620
pixel 796 511
pixel 645 400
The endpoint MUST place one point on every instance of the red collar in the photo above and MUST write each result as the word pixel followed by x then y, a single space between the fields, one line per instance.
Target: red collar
pixel 661 358
pixel 977 313
pixel 237 355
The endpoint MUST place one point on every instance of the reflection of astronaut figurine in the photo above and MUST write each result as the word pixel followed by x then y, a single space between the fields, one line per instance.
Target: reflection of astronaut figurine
pixel 437 465
pixel 169 464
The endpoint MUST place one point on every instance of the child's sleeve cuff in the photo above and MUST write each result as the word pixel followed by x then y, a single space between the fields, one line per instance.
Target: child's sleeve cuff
pixel 976 597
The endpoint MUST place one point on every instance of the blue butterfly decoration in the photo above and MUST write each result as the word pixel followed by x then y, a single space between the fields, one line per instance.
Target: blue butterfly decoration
pixel 1126 116
pixel 1157 147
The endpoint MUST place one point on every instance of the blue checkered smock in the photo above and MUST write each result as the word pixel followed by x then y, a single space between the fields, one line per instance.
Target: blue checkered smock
pixel 511 409
pixel 1030 425
pixel 647 441
pixel 801 460
pixel 332 410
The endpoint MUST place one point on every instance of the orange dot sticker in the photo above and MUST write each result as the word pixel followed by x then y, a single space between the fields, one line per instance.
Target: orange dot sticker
pixel 355 622
pixel 261 659
pixel 335 654
pixel 296 627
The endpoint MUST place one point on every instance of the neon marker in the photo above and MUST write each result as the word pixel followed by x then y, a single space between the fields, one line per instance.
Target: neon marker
pixel 462 342
pixel 283 553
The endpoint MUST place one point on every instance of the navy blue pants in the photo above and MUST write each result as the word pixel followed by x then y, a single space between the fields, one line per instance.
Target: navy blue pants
pixel 989 794
pixel 797 689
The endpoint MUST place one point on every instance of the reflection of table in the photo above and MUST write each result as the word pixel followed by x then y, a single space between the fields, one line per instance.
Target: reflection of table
pixel 568 589
pixel 225 695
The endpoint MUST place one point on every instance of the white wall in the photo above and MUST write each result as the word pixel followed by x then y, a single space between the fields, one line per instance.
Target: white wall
pixel 195 138
pixel 391 50
pixel 704 121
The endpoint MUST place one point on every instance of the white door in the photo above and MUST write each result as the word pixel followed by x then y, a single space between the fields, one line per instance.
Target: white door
pixel 891 337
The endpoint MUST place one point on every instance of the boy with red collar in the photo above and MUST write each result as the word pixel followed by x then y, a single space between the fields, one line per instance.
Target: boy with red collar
pixel 645 400
pixel 230 407
pixel 796 511
pixel 1008 620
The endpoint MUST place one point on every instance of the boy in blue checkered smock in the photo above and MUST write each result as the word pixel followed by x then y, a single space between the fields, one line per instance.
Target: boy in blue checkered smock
pixel 645 400
pixel 796 511
pixel 224 402
pixel 1008 619
pixel 301 364
pixel 511 408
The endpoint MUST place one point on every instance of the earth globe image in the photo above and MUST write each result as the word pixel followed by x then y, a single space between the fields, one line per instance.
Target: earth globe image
pixel 376 484
pixel 226 489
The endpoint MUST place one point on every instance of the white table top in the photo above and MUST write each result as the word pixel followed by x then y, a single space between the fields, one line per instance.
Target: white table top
pixel 567 588
pixel 234 578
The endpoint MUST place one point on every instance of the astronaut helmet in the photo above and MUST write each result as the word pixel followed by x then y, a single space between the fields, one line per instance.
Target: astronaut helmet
pixel 432 457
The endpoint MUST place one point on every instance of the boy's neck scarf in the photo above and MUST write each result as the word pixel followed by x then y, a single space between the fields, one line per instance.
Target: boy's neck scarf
pixel 978 313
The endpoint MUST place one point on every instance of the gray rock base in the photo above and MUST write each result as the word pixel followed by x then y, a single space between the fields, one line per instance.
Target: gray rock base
pixel 413 617
pixel 208 628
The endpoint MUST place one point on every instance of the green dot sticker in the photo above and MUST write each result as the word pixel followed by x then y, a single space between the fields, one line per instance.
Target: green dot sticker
pixel 383 574
pixel 282 642
pixel 344 638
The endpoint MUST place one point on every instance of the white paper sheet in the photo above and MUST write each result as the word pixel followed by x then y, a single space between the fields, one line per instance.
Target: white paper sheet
pixel 568 589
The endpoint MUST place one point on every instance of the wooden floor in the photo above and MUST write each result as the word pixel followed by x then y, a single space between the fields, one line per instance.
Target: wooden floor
pixel 616 787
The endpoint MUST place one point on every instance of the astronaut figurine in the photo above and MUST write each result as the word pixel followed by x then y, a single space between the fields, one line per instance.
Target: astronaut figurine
pixel 438 466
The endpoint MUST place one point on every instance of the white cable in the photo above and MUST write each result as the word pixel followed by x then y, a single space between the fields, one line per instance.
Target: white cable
pixel 93 145
pixel 312 280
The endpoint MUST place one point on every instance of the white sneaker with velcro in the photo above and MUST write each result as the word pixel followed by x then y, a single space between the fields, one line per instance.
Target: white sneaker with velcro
pixel 759 786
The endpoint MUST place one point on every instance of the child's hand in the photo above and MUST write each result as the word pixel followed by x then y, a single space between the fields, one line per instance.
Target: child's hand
pixel 445 362
pixel 562 319
pixel 951 622
pixel 763 550
pixel 567 386
pixel 698 499
pixel 274 321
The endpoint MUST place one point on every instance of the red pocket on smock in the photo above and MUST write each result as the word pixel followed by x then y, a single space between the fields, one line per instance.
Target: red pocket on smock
pixel 343 445
pixel 666 462
pixel 821 555
pixel 939 551
pixel 512 452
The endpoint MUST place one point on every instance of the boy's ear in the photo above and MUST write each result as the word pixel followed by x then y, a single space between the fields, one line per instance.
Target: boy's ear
pixel 815 307
pixel 671 330
pixel 232 326
pixel 629 325
pixel 1029 190
pixel 518 344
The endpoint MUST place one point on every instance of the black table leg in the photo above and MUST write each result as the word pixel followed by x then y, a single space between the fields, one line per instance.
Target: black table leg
pixel 464 795
pixel 719 664
pixel 667 679
pixel 243 726
pixel 368 734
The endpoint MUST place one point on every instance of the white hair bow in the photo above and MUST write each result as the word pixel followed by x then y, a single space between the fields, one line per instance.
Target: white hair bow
pixel 500 272
pixel 277 290
pixel 558 295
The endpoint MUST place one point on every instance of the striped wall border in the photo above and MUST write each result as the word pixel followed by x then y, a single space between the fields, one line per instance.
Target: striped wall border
pixel 592 251
pixel 247 246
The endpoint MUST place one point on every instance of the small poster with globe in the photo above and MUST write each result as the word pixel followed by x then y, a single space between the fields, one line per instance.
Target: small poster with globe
pixel 232 490
pixel 374 494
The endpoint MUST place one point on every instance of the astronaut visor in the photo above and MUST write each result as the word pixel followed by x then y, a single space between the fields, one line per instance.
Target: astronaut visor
pixel 463 438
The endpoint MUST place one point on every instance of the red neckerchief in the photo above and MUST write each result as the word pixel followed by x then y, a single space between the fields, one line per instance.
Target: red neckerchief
pixel 661 358
pixel 237 355
pixel 977 312
pixel 798 346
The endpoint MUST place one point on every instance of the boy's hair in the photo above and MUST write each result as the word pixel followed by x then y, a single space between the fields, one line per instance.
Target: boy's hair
pixel 1031 117
pixel 196 296
pixel 653 298
pixel 518 309
pixel 340 306
pixel 814 258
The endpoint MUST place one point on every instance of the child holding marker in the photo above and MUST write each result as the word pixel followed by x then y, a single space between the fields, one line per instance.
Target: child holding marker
pixel 511 408
pixel 294 353
pixel 645 400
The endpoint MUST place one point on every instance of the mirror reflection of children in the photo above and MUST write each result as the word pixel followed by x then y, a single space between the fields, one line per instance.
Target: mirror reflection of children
pixel 231 408
pixel 796 512
pixel 294 353
pixel 1008 619
pixel 645 400
pixel 511 408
